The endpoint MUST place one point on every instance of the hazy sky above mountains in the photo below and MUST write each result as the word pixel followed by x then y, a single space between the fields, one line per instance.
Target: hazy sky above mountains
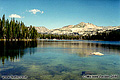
pixel 59 13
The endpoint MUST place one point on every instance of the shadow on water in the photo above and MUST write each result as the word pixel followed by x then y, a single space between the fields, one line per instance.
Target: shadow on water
pixel 15 50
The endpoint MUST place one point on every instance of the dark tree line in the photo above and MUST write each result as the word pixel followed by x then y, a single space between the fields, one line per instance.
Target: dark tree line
pixel 56 36
pixel 16 30
pixel 113 35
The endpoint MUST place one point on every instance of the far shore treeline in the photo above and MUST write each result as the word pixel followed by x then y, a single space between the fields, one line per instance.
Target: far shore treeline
pixel 16 30
pixel 112 35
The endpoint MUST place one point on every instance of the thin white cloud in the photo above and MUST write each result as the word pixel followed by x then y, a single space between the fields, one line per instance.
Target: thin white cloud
pixel 34 11
pixel 42 12
pixel 15 16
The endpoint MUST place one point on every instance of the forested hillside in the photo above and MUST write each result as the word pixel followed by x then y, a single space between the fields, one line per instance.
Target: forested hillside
pixel 113 35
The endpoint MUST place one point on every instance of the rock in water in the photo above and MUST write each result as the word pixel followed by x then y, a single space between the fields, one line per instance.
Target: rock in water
pixel 97 53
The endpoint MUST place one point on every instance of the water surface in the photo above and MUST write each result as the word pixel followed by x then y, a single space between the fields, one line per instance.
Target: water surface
pixel 59 60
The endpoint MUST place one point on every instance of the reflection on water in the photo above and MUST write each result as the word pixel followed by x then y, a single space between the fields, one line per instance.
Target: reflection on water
pixel 58 60
pixel 13 51
pixel 82 48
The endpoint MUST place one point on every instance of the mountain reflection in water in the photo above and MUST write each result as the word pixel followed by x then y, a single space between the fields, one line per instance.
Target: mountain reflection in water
pixel 83 49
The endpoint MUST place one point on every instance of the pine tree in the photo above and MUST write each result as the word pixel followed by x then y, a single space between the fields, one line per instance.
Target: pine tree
pixel 7 29
pixel 13 29
pixel 18 33
pixel 3 26
pixel 30 32
pixel 11 36
pixel 16 29
pixel 0 28
pixel 34 33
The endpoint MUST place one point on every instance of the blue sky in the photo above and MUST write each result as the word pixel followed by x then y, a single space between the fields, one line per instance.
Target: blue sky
pixel 58 13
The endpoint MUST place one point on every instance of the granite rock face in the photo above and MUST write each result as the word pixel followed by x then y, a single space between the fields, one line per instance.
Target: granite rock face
pixel 79 29
pixel 42 29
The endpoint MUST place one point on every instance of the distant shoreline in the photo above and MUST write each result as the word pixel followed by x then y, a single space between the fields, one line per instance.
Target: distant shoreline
pixel 69 40
pixel 47 39
pixel 18 39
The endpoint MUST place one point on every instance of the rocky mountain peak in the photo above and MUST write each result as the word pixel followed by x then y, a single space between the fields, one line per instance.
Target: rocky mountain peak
pixel 69 26
pixel 42 29
pixel 81 29
pixel 80 25
pixel 85 25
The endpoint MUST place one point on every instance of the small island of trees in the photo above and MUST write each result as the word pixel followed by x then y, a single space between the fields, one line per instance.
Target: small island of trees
pixel 14 30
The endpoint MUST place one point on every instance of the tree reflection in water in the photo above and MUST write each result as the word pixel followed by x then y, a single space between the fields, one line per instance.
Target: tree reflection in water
pixel 14 50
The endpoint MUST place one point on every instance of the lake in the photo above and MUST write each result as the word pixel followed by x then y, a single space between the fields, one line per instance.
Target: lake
pixel 60 59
